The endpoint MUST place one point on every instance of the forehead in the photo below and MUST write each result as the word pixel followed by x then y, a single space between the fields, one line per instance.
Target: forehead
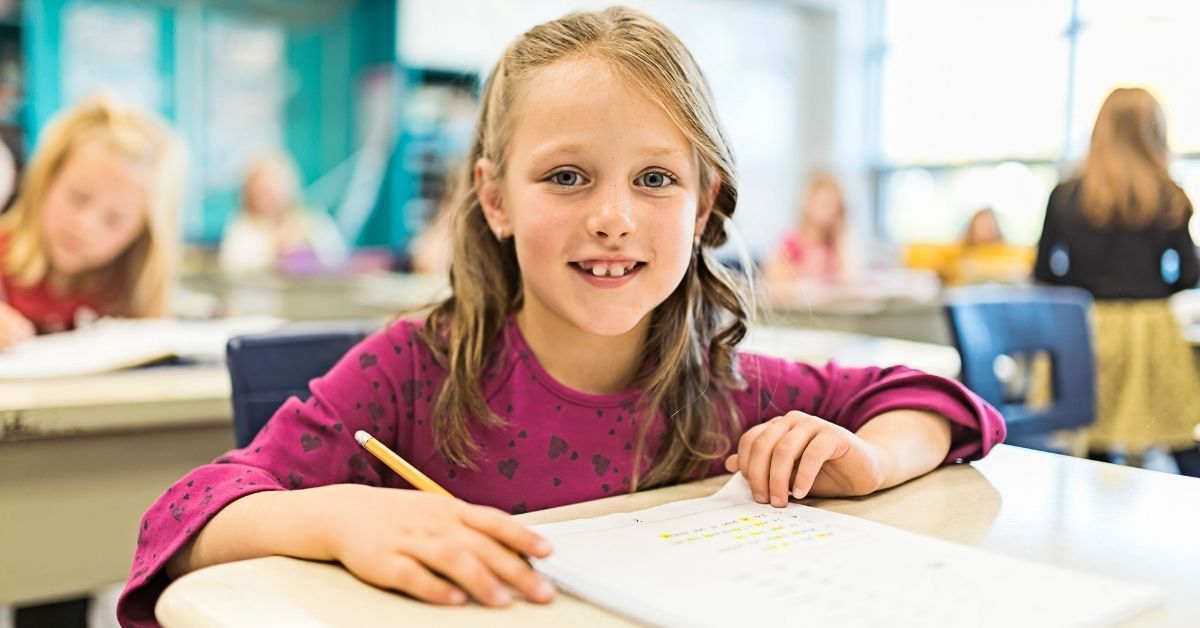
pixel 583 104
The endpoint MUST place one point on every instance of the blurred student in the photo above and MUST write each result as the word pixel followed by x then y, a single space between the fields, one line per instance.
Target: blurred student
pixel 982 255
pixel 1120 230
pixel 815 248
pixel 982 229
pixel 92 232
pixel 274 231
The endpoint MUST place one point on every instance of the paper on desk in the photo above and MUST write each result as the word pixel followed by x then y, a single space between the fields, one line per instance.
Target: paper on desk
pixel 725 560
pixel 112 344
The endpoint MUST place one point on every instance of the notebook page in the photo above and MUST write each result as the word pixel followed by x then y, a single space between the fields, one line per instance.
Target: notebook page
pixel 113 344
pixel 725 560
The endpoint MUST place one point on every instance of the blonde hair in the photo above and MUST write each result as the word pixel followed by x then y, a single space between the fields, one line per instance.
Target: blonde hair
pixel 689 351
pixel 1125 179
pixel 139 278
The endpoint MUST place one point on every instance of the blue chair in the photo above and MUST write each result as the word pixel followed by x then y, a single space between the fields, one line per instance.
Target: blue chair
pixel 267 368
pixel 991 324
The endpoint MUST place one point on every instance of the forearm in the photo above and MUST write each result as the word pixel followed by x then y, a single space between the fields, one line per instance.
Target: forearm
pixel 288 523
pixel 911 443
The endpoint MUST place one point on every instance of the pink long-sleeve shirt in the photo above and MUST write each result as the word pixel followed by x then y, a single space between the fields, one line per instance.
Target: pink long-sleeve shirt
pixel 559 446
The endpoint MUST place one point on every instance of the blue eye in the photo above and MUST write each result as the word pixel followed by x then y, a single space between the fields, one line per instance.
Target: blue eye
pixel 655 179
pixel 566 178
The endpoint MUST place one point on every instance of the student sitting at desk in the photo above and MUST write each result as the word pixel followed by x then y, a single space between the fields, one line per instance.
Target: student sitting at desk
pixel 93 229
pixel 589 349
pixel 274 231
pixel 816 248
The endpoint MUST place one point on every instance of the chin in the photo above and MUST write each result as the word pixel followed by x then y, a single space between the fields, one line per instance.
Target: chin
pixel 607 322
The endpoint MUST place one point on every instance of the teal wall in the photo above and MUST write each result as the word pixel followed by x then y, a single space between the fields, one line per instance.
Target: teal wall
pixel 325 58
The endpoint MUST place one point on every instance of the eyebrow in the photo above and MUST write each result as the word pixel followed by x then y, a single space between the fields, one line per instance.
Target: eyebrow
pixel 576 147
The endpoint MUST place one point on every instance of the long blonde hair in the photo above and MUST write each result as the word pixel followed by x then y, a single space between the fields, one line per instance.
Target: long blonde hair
pixel 689 351
pixel 1125 179
pixel 138 280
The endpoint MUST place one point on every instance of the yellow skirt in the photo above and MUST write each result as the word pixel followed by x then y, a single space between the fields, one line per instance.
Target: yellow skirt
pixel 1148 387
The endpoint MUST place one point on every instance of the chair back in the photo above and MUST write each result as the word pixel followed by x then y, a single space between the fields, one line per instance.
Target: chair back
pixel 992 323
pixel 267 368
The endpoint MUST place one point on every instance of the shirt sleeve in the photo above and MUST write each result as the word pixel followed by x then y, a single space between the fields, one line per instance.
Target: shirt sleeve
pixel 304 444
pixel 1050 237
pixel 1181 241
pixel 850 397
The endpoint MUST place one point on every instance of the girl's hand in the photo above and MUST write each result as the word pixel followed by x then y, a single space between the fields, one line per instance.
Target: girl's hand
pixel 13 326
pixel 799 454
pixel 434 547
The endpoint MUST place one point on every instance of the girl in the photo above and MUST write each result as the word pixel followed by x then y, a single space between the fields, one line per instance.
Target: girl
pixel 274 229
pixel 1120 230
pixel 588 349
pixel 93 230
pixel 815 249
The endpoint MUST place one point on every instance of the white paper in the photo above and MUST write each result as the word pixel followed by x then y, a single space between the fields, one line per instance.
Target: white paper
pixel 725 561
pixel 112 344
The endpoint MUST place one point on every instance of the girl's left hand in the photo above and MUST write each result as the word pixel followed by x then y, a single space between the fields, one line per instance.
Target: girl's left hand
pixel 799 454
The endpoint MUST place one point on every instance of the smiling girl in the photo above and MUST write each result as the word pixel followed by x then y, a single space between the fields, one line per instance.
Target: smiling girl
pixel 588 349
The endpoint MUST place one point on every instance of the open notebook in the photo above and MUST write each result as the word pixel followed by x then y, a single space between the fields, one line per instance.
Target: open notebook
pixel 726 561
pixel 112 344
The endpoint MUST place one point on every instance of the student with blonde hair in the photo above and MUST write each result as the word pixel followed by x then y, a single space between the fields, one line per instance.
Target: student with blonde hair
pixel 93 230
pixel 589 348
pixel 274 231
pixel 1120 230
pixel 816 247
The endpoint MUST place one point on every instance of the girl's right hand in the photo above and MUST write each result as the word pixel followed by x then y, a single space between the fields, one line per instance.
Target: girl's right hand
pixel 13 326
pixel 434 547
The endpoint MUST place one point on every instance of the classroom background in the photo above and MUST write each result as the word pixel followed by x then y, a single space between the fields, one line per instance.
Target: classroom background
pixel 943 126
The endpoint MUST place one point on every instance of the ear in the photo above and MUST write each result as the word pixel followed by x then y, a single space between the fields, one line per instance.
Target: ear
pixel 706 206
pixel 487 189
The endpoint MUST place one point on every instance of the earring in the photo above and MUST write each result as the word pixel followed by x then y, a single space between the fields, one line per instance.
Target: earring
pixel 499 233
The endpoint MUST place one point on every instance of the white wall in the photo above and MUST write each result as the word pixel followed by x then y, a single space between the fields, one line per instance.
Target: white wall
pixel 774 68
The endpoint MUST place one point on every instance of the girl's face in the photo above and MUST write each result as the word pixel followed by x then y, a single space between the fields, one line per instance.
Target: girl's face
pixel 269 192
pixel 600 195
pixel 94 209
pixel 824 208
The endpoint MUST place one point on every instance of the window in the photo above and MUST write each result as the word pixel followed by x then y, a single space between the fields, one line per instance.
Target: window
pixel 983 103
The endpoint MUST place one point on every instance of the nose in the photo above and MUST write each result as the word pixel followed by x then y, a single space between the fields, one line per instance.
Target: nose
pixel 613 217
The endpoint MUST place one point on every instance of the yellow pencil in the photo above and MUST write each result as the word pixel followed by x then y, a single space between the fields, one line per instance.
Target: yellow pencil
pixel 410 473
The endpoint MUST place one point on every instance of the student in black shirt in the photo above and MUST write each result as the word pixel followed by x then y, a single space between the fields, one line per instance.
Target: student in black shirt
pixel 1120 230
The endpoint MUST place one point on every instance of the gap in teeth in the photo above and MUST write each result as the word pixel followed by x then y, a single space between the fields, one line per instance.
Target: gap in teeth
pixel 616 270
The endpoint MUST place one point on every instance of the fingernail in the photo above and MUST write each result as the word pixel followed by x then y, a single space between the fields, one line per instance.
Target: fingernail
pixel 501 598
pixel 777 502
pixel 458 597
pixel 544 590
pixel 797 494
pixel 542 547
pixel 760 498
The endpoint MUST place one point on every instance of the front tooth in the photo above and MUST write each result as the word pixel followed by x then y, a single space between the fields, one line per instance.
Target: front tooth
pixel 598 270
pixel 616 271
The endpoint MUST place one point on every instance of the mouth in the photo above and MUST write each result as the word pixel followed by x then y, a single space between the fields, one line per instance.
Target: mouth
pixel 607 268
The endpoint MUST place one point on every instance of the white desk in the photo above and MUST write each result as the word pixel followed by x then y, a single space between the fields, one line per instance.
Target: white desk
pixel 80 460
pixel 1083 515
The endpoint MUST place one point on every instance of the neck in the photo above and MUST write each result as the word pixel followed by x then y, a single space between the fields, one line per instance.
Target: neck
pixel 579 359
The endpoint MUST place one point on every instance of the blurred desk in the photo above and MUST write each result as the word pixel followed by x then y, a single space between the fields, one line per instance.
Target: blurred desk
pixel 373 296
pixel 81 459
pixel 818 346
pixel 1086 516
pixel 896 304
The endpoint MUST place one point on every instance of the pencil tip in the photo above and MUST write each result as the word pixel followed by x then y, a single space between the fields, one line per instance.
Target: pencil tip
pixel 362 437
